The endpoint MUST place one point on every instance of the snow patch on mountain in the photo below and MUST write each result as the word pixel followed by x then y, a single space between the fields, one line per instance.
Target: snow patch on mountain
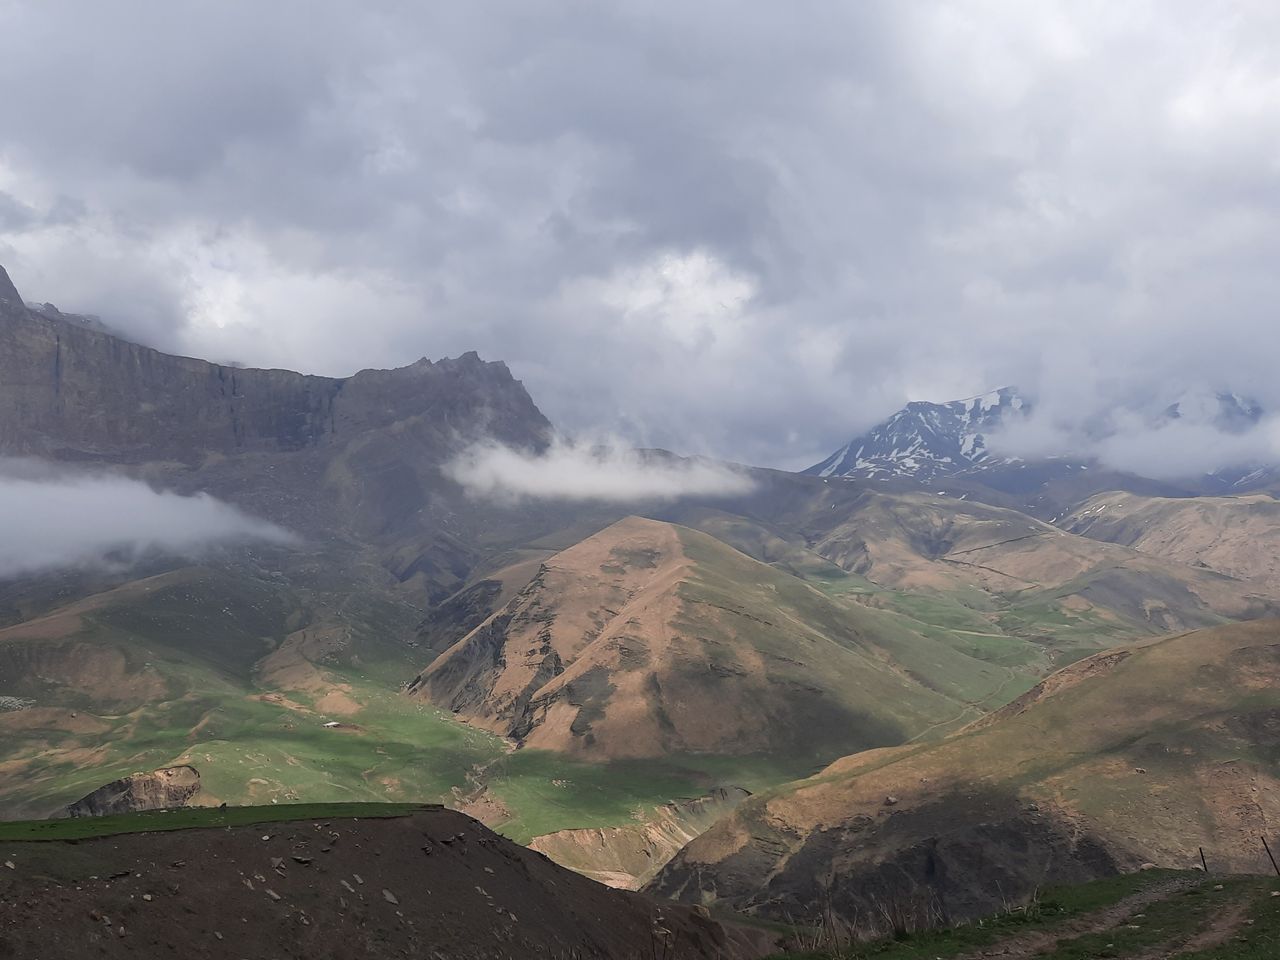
pixel 1224 438
pixel 927 440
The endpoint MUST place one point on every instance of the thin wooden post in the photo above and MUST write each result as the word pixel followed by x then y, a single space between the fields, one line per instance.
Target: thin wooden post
pixel 1266 846
pixel 1204 863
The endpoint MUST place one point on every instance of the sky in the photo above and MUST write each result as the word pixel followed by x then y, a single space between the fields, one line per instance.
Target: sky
pixel 744 230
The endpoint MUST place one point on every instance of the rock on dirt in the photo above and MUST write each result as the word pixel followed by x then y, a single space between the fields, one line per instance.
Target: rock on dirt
pixel 159 790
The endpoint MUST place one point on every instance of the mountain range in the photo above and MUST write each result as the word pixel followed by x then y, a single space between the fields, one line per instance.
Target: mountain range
pixel 931 442
pixel 921 667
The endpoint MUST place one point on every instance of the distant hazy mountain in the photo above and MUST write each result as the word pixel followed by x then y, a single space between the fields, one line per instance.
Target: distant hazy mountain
pixel 1224 411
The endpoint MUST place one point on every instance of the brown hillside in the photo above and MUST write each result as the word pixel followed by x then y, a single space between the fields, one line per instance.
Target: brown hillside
pixel 649 639
pixel 1127 759
pixel 1238 536
pixel 923 543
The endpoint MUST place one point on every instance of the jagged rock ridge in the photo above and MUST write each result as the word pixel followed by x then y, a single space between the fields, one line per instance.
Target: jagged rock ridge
pixel 72 391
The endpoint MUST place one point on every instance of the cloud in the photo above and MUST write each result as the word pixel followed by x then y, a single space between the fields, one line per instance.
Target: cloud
pixel 746 232
pixel 1141 441
pixel 579 471
pixel 52 520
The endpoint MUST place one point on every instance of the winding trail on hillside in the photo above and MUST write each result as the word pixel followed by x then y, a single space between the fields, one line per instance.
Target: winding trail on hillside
pixel 1224 926
pixel 1032 944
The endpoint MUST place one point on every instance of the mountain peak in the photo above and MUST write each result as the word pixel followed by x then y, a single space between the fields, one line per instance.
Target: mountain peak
pixel 926 440
pixel 9 296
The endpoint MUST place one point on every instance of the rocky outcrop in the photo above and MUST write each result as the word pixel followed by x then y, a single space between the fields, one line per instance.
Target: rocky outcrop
pixel 160 790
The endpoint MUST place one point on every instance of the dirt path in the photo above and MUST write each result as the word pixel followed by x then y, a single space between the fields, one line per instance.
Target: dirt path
pixel 1029 945
pixel 1220 930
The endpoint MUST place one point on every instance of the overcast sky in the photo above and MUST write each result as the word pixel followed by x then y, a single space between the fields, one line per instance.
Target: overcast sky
pixel 743 229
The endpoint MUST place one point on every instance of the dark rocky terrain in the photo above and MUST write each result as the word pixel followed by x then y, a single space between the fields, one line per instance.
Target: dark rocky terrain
pixel 433 884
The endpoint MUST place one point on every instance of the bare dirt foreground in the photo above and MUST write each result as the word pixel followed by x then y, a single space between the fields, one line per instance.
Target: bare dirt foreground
pixel 432 884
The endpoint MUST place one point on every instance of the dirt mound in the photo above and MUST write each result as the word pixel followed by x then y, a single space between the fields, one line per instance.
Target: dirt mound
pixel 433 884
pixel 161 789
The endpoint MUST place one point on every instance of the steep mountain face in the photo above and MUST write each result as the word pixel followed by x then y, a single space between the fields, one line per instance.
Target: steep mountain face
pixel 927 441
pixel 1142 754
pixel 10 300
pixel 71 392
pixel 358 456
pixel 651 640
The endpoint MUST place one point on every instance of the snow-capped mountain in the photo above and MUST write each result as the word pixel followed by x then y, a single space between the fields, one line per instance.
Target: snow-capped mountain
pixel 925 441
pixel 929 441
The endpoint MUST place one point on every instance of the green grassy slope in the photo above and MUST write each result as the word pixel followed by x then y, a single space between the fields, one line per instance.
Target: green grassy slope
pixel 194 818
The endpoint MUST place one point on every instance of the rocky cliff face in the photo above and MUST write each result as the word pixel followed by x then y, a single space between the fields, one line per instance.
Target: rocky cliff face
pixel 70 391
pixel 353 460
pixel 161 790
pixel 10 301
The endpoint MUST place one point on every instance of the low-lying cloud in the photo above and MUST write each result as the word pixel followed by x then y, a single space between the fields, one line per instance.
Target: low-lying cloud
pixel 581 471
pixel 52 520
pixel 1175 449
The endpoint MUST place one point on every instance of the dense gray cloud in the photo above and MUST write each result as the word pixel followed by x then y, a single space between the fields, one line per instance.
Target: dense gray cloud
pixel 745 230
pixel 606 471
pixel 1174 450
pixel 52 519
